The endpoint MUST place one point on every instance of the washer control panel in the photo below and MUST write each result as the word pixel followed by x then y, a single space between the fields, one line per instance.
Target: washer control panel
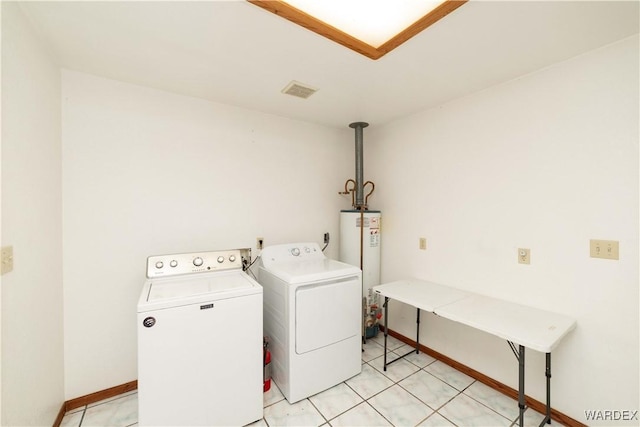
pixel 197 262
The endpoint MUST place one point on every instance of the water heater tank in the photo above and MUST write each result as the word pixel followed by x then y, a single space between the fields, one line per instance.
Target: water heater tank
pixel 350 244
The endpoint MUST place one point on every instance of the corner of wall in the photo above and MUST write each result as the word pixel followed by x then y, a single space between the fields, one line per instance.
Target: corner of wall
pixel 32 387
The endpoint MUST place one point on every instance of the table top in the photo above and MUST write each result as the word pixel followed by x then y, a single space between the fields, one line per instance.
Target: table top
pixel 533 328
pixel 421 294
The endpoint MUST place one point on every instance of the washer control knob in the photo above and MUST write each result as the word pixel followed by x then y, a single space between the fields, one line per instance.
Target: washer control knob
pixel 295 251
pixel 232 258
pixel 159 264
pixel 173 263
pixel 220 259
pixel 198 261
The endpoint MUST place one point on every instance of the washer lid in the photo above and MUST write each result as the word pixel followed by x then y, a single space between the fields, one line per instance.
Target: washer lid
pixel 177 291
pixel 296 272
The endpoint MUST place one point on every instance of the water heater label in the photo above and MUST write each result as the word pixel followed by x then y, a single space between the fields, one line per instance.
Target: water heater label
pixel 366 222
pixel 374 238
pixel 374 223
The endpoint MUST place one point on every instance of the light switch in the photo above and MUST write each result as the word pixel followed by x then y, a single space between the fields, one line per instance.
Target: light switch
pixel 606 249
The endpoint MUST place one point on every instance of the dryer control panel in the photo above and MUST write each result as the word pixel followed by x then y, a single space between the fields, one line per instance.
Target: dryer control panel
pixel 197 262
pixel 292 251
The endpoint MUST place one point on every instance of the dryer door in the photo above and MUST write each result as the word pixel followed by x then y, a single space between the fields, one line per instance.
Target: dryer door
pixel 327 312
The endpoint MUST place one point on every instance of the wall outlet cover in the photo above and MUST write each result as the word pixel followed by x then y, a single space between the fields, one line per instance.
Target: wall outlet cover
pixel 423 243
pixel 6 259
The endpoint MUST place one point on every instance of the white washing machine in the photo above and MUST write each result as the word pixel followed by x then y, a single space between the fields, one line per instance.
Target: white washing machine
pixel 199 342
pixel 312 316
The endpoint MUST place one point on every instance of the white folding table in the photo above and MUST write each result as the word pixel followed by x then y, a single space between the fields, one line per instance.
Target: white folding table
pixel 422 295
pixel 539 330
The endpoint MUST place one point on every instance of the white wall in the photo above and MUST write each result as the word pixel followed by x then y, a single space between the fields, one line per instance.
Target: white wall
pixel 32 322
pixel 0 229
pixel 147 172
pixel 545 162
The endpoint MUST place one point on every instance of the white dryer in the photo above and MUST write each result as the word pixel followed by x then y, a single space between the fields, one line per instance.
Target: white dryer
pixel 312 316
pixel 199 342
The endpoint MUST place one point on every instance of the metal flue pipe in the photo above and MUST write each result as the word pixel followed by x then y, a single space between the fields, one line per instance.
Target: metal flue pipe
pixel 359 126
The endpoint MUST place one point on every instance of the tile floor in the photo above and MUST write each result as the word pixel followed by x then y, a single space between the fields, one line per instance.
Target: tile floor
pixel 415 391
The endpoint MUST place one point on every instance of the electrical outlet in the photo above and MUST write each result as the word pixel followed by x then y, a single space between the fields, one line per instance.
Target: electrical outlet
pixel 259 243
pixel 606 249
pixel 423 243
pixel 524 256
pixel 7 259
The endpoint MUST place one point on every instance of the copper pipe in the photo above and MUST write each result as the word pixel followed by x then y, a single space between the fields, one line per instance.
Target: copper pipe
pixel 366 199
pixel 364 329
pixel 349 190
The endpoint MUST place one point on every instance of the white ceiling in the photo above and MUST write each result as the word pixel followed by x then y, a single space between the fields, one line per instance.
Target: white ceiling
pixel 236 53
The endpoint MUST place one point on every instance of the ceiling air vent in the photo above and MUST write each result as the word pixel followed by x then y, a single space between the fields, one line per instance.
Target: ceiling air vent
pixel 299 89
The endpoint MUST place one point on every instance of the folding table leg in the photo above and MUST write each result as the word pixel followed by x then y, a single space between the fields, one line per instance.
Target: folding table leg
pixel 521 401
pixel 386 330
pixel 417 331
pixel 548 375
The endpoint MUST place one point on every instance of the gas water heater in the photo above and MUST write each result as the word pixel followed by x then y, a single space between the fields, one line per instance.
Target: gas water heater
pixel 360 227
pixel 360 245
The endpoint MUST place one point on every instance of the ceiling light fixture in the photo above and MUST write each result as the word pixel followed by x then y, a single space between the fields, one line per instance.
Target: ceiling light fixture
pixel 370 27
